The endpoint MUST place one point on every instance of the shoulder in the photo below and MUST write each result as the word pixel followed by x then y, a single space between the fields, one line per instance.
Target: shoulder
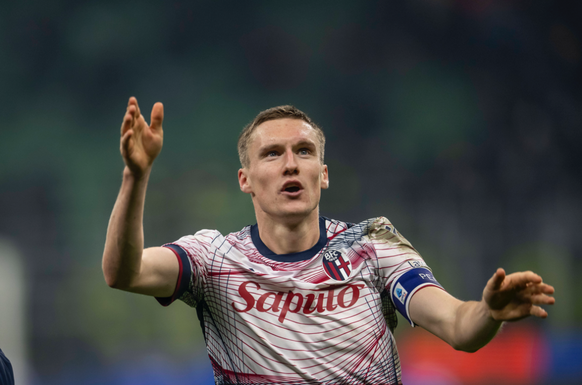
pixel 241 235
pixel 211 239
pixel 203 234
pixel 373 227
pixel 381 227
pixel 344 234
pixel 197 242
pixel 378 232
pixel 334 226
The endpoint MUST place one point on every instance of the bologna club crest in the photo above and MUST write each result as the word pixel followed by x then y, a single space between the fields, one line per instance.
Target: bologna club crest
pixel 336 266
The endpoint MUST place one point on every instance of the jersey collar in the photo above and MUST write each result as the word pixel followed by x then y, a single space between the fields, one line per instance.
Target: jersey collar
pixel 292 257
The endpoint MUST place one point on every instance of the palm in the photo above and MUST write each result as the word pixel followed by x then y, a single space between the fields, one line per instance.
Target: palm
pixel 140 143
pixel 506 304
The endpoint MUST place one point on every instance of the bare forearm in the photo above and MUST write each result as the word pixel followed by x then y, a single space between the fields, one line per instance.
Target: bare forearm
pixel 474 327
pixel 125 241
pixel 466 326
pixel 469 326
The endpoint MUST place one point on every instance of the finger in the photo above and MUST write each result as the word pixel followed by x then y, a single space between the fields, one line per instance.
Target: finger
pixel 133 101
pixel 157 117
pixel 547 289
pixel 536 299
pixel 132 105
pixel 534 289
pixel 127 122
pixel 521 279
pixel 495 282
pixel 126 143
pixel 543 299
pixel 537 288
pixel 536 294
pixel 537 311
pixel 518 312
pixel 543 288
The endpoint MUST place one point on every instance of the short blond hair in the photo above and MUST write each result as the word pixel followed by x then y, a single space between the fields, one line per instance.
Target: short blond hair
pixel 274 113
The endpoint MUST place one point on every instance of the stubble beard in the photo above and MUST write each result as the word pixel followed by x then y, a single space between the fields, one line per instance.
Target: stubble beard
pixel 288 215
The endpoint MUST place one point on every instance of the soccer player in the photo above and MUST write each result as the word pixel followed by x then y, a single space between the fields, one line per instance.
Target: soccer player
pixel 6 373
pixel 296 298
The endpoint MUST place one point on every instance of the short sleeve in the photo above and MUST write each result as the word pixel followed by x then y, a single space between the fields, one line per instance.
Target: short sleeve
pixel 394 254
pixel 184 275
pixel 191 252
pixel 401 269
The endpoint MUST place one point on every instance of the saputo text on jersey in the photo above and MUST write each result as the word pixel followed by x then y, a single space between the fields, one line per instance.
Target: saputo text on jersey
pixel 326 300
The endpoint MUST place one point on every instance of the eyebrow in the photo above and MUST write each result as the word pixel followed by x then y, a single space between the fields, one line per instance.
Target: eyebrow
pixel 268 148
pixel 302 143
pixel 308 143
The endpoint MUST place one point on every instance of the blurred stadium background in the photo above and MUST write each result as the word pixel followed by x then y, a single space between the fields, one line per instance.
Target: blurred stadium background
pixel 460 120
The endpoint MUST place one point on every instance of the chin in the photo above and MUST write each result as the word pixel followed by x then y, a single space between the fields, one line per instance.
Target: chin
pixel 298 212
pixel 287 210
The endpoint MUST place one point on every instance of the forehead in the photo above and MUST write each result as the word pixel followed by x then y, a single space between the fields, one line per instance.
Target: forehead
pixel 282 131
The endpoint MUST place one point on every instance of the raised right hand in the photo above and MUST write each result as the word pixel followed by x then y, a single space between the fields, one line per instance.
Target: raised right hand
pixel 140 143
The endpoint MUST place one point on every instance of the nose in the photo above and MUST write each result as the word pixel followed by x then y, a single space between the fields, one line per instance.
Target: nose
pixel 291 166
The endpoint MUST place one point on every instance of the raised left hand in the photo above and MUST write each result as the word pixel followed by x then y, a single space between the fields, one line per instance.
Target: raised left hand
pixel 516 296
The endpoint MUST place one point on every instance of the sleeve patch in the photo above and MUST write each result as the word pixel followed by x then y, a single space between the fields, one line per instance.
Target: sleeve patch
pixel 407 285
pixel 417 263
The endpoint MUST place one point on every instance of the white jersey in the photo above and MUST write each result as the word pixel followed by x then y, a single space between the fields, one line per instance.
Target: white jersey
pixel 322 316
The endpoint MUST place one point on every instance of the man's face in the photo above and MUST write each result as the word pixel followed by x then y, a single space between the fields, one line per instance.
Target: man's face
pixel 284 176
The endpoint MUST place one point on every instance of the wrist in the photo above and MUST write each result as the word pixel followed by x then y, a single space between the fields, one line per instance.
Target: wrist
pixel 489 313
pixel 136 175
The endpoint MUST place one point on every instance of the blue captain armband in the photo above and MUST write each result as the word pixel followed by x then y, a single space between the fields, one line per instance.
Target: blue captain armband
pixel 407 285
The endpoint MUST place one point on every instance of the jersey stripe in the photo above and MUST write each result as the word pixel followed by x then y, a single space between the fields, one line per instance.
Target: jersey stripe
pixel 282 320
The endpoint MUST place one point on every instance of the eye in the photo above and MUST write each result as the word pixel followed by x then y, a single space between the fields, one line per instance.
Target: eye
pixel 304 151
pixel 271 153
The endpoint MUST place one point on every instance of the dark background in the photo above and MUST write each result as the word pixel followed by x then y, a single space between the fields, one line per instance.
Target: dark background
pixel 459 120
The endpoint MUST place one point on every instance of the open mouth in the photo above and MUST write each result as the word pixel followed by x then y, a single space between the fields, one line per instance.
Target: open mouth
pixel 292 187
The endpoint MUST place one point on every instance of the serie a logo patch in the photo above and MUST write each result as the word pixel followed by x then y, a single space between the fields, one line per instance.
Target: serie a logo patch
pixel 400 293
pixel 336 266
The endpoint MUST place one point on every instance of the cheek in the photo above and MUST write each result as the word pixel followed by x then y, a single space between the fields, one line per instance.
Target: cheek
pixel 262 179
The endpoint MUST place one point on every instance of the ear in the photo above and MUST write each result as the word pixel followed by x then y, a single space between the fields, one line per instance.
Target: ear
pixel 243 181
pixel 324 177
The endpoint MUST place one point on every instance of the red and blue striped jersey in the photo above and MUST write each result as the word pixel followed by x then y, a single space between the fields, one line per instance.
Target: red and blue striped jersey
pixel 322 316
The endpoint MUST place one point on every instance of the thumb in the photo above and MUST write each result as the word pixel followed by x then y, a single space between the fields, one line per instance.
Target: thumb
pixel 497 279
pixel 157 117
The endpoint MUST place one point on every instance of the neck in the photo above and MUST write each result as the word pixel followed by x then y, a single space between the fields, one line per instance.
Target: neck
pixel 290 235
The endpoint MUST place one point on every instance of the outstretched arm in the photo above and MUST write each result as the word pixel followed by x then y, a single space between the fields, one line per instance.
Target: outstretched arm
pixel 469 326
pixel 126 265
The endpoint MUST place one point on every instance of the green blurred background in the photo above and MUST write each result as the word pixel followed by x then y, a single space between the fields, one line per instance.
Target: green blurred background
pixel 459 120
